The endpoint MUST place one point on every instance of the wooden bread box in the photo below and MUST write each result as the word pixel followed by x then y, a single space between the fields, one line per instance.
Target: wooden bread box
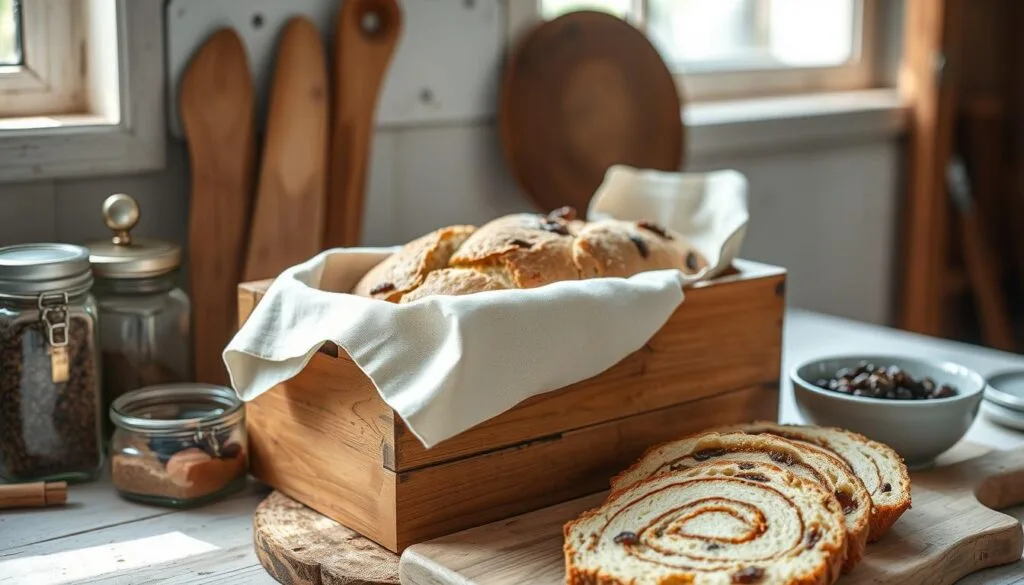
pixel 326 438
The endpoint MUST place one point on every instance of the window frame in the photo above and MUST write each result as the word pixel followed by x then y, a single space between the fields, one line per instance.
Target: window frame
pixel 50 79
pixel 747 82
pixel 118 122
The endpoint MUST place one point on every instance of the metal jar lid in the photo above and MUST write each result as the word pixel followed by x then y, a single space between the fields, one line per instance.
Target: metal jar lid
pixel 124 256
pixel 28 270
pixel 170 408
pixel 1007 389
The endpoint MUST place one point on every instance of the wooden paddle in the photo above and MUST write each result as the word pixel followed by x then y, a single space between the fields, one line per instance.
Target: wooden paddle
pixel 216 104
pixel 288 220
pixel 365 38
pixel 581 93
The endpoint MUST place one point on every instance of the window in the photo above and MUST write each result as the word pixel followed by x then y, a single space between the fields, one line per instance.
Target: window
pixel 731 48
pixel 43 69
pixel 80 87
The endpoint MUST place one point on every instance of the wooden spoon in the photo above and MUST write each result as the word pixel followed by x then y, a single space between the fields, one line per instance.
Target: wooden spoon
pixel 365 38
pixel 216 104
pixel 288 221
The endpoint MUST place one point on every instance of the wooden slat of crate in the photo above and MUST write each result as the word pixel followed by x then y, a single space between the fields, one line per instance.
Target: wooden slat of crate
pixel 341 477
pixel 540 473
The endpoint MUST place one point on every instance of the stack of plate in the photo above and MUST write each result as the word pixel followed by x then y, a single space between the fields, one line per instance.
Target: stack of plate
pixel 1004 400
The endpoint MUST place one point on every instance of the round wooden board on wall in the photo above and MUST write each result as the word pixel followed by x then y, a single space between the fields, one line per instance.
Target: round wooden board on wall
pixel 581 93
pixel 299 546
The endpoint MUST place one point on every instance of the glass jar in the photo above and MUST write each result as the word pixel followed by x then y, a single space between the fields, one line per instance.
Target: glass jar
pixel 50 405
pixel 178 445
pixel 144 315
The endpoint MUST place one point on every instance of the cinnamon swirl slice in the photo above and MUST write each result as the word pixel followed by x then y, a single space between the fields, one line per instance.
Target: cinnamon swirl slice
pixel 880 468
pixel 719 522
pixel 808 461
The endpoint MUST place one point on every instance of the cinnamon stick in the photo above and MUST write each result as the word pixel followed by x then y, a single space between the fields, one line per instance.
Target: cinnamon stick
pixel 39 494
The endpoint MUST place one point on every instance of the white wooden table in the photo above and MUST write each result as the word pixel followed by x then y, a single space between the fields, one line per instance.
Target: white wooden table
pixel 99 538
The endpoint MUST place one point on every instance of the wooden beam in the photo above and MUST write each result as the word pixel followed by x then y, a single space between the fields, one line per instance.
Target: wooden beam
pixel 928 80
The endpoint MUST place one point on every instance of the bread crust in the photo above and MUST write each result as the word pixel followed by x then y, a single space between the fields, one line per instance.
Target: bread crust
pixel 406 269
pixel 830 546
pixel 455 281
pixel 526 250
pixel 615 248
pixel 532 250
pixel 887 506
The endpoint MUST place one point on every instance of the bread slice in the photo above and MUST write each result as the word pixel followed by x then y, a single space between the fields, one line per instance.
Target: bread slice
pixel 719 522
pixel 880 468
pixel 808 461
pixel 407 268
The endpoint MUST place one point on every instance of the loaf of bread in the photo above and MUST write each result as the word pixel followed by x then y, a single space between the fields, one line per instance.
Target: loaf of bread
pixel 716 523
pixel 880 468
pixel 526 250
pixel 808 461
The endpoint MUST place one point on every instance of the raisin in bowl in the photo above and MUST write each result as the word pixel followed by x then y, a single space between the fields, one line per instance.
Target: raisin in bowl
pixel 917 406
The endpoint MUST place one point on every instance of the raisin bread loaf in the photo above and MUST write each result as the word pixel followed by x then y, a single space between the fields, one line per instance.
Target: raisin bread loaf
pixel 525 250
pixel 810 462
pixel 880 468
pixel 719 522
pixel 406 270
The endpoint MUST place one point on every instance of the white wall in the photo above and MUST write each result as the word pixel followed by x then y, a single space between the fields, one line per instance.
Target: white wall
pixel 826 211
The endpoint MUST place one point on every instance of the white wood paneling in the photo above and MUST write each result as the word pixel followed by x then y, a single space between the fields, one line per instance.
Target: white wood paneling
pixel 26 213
pixel 450 175
pixel 162 197
pixel 830 216
pixel 445 67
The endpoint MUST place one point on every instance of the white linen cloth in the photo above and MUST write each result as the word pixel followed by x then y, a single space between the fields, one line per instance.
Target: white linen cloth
pixel 447 363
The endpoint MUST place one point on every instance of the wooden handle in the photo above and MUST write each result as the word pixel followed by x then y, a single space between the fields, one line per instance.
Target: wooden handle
pixel 33 495
pixel 365 39
pixel 288 217
pixel 996 478
pixel 217 113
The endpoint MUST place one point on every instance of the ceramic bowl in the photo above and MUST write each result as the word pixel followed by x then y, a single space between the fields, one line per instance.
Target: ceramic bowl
pixel 919 430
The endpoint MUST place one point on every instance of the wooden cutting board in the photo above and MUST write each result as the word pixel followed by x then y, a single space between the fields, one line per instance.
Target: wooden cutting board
pixel 216 105
pixel 288 218
pixel 298 546
pixel 581 93
pixel 948 533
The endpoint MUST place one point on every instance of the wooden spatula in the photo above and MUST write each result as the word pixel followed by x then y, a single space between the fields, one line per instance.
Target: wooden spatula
pixel 364 41
pixel 288 220
pixel 216 104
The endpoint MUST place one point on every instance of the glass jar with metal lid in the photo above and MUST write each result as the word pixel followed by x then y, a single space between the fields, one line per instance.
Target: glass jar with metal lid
pixel 50 405
pixel 144 315
pixel 178 445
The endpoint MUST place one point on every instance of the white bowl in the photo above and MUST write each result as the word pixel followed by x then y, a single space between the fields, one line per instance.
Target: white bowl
pixel 919 430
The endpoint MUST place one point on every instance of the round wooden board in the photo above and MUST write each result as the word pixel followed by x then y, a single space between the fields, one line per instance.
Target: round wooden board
pixel 581 93
pixel 299 546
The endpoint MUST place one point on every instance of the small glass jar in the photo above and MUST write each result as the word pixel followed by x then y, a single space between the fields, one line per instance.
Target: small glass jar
pixel 50 405
pixel 144 315
pixel 178 445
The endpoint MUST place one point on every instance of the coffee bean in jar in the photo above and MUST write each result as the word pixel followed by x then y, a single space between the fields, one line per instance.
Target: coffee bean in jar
pixel 888 382
pixel 50 415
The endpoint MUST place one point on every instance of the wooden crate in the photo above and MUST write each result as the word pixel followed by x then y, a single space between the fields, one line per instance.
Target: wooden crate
pixel 326 438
